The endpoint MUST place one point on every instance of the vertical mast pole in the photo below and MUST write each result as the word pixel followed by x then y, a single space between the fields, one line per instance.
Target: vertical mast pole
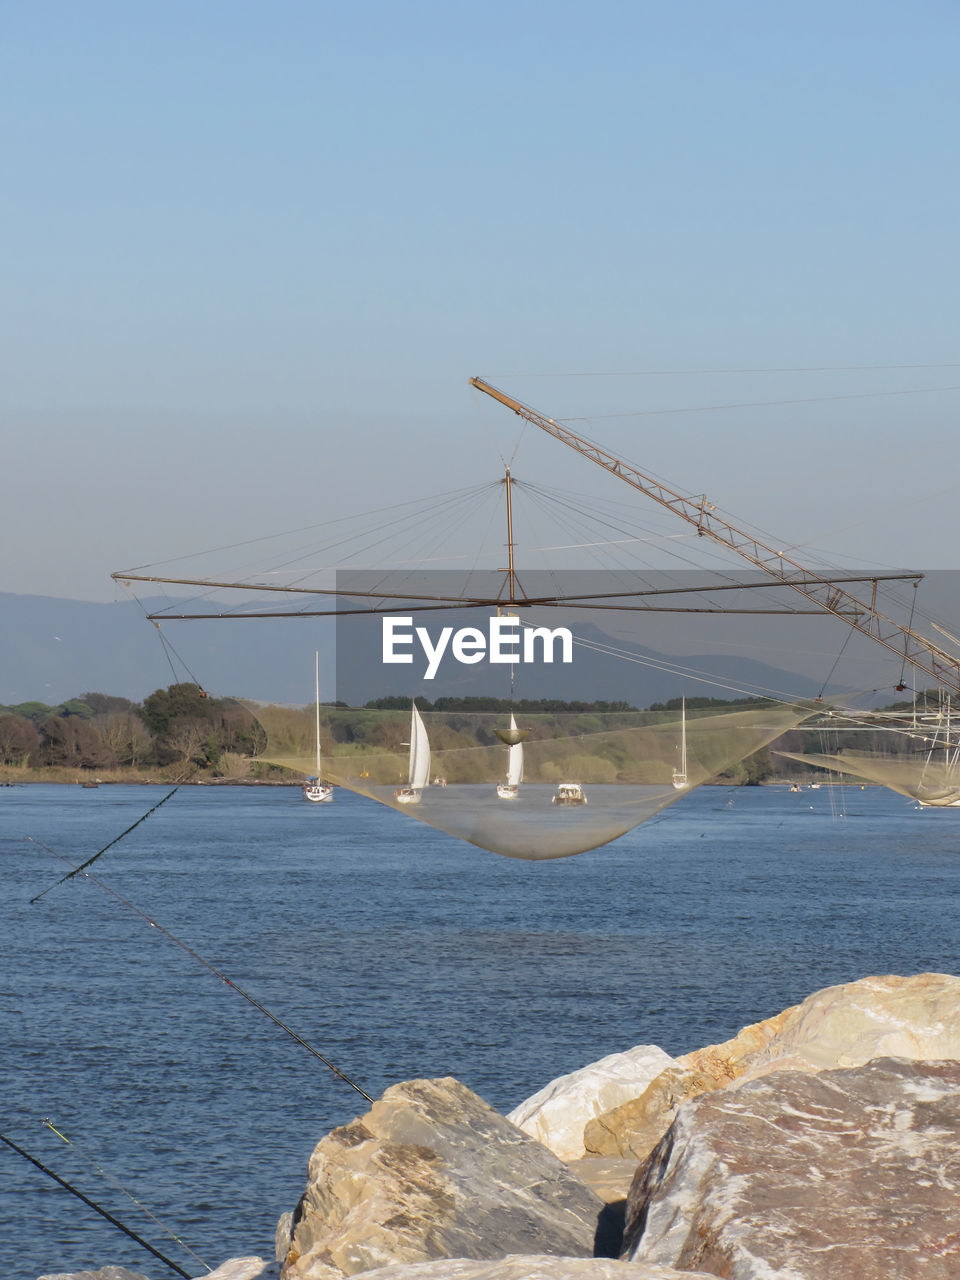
pixel 511 578
pixel 317 705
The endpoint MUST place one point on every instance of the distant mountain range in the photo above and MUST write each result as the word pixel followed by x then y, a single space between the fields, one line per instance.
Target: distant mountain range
pixel 55 649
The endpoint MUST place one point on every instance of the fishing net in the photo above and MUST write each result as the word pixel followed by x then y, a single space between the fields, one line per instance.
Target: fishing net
pixel 933 781
pixel 586 779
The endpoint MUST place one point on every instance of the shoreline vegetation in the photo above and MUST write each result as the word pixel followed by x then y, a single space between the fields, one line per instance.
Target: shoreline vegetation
pixel 182 735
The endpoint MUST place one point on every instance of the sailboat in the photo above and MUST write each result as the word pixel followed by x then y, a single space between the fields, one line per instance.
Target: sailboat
pixel 419 771
pixel 315 788
pixel 510 789
pixel 680 782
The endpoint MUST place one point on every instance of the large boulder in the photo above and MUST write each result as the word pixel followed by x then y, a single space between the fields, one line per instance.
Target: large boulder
pixel 102 1273
pixel 432 1171
pixel 248 1268
pixel 915 1017
pixel 559 1112
pixel 841 1175
pixel 542 1267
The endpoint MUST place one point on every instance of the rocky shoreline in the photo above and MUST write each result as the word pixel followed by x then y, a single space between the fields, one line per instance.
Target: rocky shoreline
pixel 820 1143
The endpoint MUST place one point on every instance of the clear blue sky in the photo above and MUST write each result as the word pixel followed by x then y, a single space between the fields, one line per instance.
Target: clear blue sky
pixel 252 253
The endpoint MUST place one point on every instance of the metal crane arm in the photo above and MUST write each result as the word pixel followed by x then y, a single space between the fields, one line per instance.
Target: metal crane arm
pixel 862 616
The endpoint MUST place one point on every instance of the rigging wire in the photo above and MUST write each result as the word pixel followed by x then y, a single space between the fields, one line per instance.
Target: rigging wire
pixel 97 1208
pixel 168 648
pixel 745 526
pixel 673 668
pixel 153 924
pixel 483 542
pixel 846 641
pixel 247 542
pixel 424 515
pixel 903 667
pixel 573 506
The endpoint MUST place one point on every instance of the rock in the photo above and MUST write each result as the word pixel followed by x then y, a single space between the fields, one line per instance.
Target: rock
pixel 637 1126
pixel 244 1269
pixel 609 1176
pixel 105 1273
pixel 847 1174
pixel 915 1017
pixel 558 1113
pixel 540 1267
pixel 283 1236
pixel 432 1171
pixel 234 1269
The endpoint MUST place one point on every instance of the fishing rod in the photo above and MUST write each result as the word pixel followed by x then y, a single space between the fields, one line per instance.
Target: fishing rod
pixel 48 1123
pixel 116 840
pixel 127 1231
pixel 153 924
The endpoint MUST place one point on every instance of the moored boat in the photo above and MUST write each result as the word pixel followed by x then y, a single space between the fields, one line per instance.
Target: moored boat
pixel 315 788
pixel 569 793
pixel 679 779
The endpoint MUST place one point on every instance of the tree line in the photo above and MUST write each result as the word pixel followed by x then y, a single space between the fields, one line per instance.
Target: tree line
pixel 180 725
pixel 183 728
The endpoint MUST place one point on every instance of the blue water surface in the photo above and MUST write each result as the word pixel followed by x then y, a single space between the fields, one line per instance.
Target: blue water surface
pixel 395 951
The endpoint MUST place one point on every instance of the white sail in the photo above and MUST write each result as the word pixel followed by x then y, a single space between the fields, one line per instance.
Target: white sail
pixel 515 759
pixel 419 752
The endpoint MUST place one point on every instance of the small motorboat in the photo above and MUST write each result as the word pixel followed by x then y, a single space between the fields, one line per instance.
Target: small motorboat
pixel 569 793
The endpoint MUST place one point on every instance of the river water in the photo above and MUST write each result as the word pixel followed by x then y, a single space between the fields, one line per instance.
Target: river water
pixel 396 951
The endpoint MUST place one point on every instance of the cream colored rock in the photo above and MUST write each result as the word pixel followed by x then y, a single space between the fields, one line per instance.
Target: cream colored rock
pixel 430 1172
pixel 609 1176
pixel 634 1128
pixel 539 1267
pixel 244 1269
pixel 916 1017
pixel 559 1112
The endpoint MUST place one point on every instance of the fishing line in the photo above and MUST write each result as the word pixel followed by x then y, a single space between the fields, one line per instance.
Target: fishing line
pixel 120 1187
pixel 116 840
pixel 759 404
pixel 206 964
pixel 103 1213
pixel 674 373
